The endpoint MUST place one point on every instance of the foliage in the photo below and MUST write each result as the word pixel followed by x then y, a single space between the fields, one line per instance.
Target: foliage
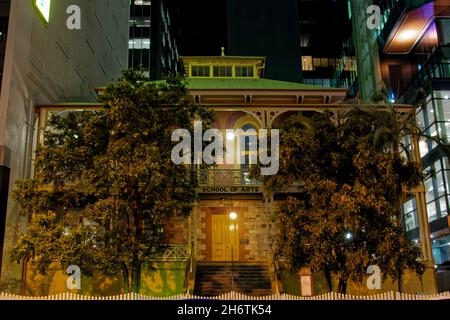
pixel 352 184
pixel 104 181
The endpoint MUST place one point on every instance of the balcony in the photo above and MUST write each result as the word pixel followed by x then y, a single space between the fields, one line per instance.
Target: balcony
pixel 174 253
pixel 437 69
pixel 226 178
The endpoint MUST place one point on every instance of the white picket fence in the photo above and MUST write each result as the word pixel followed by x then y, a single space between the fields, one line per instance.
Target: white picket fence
pixel 236 296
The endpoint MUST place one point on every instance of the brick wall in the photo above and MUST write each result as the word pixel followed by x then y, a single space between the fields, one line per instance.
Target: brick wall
pixel 176 231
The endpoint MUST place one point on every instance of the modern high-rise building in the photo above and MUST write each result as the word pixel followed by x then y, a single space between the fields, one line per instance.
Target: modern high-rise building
pixel 152 41
pixel 328 57
pixel 270 29
pixel 45 59
pixel 410 52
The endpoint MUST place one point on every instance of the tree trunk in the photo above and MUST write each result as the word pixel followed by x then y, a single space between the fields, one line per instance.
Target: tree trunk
pixel 328 278
pixel 400 282
pixel 343 286
pixel 24 275
pixel 136 278
pixel 126 279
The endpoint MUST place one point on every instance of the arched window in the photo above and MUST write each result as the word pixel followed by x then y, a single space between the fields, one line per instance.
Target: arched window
pixel 246 147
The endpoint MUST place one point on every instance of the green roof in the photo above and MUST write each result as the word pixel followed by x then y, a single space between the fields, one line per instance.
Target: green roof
pixel 246 83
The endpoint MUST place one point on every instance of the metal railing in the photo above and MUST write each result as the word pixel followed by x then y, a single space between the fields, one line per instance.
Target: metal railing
pixel 223 177
pixel 437 67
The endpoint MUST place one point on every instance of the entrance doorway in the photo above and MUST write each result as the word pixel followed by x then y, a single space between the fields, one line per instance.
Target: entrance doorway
pixel 225 238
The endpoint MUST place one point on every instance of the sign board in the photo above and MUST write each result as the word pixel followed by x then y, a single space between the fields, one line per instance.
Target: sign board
pixel 243 189
pixel 43 7
pixel 305 282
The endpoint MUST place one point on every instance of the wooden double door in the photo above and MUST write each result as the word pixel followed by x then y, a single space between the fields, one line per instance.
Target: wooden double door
pixel 225 238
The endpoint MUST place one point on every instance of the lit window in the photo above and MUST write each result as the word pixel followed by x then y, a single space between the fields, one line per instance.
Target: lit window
pixel 410 217
pixel 441 249
pixel 142 2
pixel 316 62
pixel 307 64
pixel 304 40
pixel 139 43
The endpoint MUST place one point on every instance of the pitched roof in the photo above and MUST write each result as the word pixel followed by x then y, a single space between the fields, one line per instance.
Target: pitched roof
pixel 246 83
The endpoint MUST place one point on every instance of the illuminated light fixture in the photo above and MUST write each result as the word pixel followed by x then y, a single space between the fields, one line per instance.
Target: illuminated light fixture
pixel 233 215
pixel 446 97
pixel 348 236
pixel 43 7
pixel 413 25
pixel 230 136
pixel 408 35
pixel 392 98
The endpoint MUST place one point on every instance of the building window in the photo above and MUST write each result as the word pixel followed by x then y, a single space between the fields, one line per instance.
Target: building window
pixel 316 62
pixel 441 249
pixel 434 118
pixel 223 71
pixel 139 44
pixel 410 218
pixel 142 2
pixel 200 71
pixel 244 71
pixel 307 64
pixel 437 189
pixel 250 153
pixel 305 40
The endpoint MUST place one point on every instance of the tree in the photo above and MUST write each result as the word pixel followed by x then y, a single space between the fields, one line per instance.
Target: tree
pixel 347 215
pixel 105 184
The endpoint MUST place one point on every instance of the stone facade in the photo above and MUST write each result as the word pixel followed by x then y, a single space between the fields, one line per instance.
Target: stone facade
pixel 254 223
pixel 176 231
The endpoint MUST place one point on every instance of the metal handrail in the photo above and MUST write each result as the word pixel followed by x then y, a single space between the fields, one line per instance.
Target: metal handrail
pixel 190 271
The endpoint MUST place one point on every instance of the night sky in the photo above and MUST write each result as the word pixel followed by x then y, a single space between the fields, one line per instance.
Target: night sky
pixel 203 26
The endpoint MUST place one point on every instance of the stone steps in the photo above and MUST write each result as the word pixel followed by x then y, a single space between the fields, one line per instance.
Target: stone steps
pixel 213 279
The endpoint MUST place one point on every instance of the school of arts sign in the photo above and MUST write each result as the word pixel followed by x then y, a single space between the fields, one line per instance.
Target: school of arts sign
pixel 234 189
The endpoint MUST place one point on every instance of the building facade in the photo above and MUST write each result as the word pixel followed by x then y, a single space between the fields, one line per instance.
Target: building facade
pixel 152 41
pixel 233 223
pixel 46 62
pixel 409 52
pixel 266 28
pixel 328 57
